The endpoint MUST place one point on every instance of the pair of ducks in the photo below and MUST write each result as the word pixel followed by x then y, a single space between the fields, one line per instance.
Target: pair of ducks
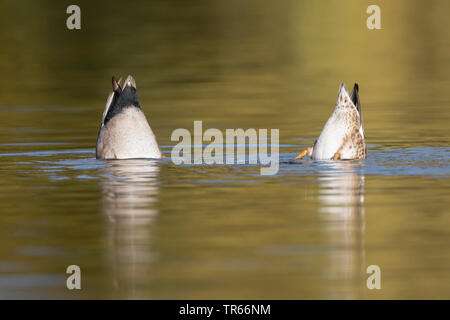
pixel 126 134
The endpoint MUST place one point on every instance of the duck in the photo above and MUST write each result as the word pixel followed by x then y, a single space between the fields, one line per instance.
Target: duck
pixel 342 137
pixel 124 131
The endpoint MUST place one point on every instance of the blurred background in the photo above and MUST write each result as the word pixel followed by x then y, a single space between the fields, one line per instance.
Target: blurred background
pixel 150 229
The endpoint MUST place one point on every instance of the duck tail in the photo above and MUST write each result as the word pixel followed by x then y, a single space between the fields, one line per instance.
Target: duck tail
pixel 355 97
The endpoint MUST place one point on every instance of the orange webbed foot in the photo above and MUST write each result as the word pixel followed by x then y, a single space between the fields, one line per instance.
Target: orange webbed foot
pixel 301 155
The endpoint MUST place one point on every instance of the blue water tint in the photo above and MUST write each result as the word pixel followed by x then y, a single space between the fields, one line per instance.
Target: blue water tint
pixel 427 161
pixel 46 153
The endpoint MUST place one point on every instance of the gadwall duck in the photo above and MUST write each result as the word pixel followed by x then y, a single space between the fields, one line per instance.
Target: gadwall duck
pixel 124 131
pixel 342 136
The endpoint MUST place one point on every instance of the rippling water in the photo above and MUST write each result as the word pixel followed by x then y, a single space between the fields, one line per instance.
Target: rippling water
pixel 151 229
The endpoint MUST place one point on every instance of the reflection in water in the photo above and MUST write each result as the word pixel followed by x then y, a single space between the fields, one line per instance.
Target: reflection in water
pixel 129 194
pixel 341 196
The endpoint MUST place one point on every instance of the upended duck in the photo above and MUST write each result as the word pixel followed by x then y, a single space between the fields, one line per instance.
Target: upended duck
pixel 342 136
pixel 124 131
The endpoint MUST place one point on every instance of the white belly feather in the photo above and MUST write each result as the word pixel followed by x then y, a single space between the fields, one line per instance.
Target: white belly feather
pixel 331 137
pixel 127 135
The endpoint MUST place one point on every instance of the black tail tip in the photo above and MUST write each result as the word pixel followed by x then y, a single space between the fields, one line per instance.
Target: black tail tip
pixel 356 87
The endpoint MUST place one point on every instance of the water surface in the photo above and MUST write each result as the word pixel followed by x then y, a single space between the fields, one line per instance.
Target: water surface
pixel 151 229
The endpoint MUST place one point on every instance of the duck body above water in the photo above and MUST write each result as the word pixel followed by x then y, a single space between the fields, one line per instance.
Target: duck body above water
pixel 342 137
pixel 124 131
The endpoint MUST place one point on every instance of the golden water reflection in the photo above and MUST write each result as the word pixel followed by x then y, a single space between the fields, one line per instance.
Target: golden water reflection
pixel 130 192
pixel 341 198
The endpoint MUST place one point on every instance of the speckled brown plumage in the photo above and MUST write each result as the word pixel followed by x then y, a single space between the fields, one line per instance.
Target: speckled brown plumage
pixel 354 145
pixel 342 137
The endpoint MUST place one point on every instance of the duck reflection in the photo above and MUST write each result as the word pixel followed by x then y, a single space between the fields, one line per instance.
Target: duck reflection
pixel 130 191
pixel 341 197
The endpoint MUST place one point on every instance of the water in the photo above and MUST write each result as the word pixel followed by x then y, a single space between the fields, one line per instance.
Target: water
pixel 151 229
